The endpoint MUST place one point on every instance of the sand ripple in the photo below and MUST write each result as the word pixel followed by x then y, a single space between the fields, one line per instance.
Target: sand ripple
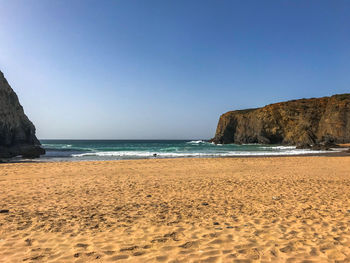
pixel 293 209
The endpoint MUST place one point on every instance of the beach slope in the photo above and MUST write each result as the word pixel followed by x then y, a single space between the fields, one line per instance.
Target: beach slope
pixel 177 210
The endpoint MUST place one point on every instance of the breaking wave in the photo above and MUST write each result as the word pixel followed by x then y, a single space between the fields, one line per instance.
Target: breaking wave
pixel 131 149
pixel 192 154
pixel 197 142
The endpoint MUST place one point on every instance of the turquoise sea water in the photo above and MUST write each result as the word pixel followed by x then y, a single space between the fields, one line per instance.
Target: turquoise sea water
pixel 58 150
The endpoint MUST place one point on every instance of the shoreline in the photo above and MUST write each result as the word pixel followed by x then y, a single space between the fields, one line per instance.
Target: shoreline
pixel 336 152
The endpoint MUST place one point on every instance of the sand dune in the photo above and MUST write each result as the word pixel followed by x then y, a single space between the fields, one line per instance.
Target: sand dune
pixel 285 209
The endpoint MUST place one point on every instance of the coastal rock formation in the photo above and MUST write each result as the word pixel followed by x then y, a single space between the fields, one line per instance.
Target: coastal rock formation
pixel 303 122
pixel 17 132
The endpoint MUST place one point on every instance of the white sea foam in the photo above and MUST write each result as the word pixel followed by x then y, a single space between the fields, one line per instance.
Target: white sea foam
pixel 58 146
pixel 144 154
pixel 278 147
pixel 197 142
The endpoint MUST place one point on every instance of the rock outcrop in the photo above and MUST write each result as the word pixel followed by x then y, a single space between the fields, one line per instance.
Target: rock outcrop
pixel 301 122
pixel 17 132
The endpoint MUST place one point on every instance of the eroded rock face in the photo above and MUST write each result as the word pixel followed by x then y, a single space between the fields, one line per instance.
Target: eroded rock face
pixel 17 132
pixel 297 122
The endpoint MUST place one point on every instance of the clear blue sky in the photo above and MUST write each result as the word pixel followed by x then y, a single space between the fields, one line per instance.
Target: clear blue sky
pixel 167 69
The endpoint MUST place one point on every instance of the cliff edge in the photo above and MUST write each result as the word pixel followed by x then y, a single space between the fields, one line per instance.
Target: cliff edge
pixel 17 132
pixel 297 122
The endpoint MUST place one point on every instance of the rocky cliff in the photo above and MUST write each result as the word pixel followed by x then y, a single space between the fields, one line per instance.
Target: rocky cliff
pixel 296 122
pixel 17 132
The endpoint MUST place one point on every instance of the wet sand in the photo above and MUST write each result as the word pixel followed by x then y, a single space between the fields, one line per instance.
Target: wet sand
pixel 281 209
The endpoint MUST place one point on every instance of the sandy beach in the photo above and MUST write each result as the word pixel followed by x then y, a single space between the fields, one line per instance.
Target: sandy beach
pixel 281 209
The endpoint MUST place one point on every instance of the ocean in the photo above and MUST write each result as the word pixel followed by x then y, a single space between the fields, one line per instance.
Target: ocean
pixel 78 150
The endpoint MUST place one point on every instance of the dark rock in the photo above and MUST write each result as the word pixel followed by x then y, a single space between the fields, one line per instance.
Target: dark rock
pixel 318 123
pixel 320 147
pixel 304 146
pixel 330 144
pixel 17 132
pixel 4 211
pixel 323 146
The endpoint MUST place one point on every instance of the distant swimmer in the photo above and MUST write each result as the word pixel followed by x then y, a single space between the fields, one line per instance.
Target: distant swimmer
pixel 154 155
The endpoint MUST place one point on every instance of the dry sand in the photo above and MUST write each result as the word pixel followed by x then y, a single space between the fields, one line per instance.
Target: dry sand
pixel 293 209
